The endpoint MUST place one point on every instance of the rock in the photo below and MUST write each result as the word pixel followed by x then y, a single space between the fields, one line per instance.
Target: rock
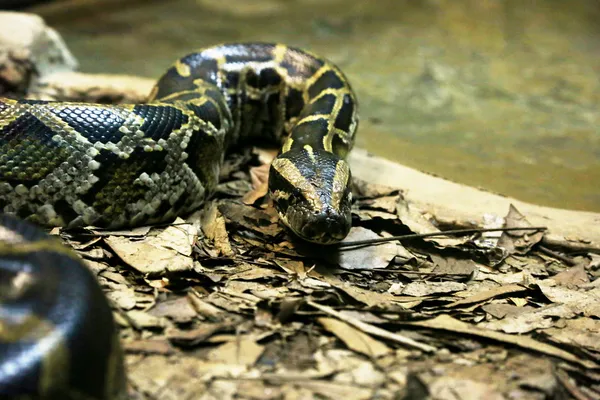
pixel 29 50
pixel 93 88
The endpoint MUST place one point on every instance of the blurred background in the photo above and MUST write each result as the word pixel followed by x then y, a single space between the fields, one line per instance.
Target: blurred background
pixel 498 94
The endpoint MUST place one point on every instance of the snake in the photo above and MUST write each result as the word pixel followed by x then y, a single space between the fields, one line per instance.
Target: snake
pixel 72 165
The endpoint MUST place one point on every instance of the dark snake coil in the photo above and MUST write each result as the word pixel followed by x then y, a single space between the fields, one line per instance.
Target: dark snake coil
pixel 115 166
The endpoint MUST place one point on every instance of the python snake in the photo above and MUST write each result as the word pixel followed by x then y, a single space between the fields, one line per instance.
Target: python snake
pixel 78 164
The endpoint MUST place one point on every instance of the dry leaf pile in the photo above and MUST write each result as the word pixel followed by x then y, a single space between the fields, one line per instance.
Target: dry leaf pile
pixel 227 304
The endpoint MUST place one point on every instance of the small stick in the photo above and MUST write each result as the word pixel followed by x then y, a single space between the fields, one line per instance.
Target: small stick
pixel 567 260
pixel 444 233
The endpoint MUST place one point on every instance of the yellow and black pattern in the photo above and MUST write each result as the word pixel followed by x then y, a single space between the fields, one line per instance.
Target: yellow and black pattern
pixel 76 164
pixel 57 335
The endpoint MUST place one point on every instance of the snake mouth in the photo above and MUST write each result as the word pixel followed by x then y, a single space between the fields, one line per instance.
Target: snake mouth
pixel 325 227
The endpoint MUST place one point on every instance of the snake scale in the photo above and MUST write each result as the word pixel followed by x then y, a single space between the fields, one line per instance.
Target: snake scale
pixel 78 164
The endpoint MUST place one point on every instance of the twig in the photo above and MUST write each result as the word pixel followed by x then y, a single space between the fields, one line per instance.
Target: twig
pixel 444 233
pixel 567 260
pixel 371 329
pixel 573 247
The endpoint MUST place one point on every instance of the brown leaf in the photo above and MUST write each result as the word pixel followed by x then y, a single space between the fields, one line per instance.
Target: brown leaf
pixel 124 297
pixel 355 339
pixel 178 309
pixel 586 303
pixel 447 323
pixel 333 390
pixel 572 278
pixel 170 250
pixel 370 190
pixel 385 203
pixel 489 294
pixel 371 329
pixel 579 332
pixel 450 388
pixel 292 267
pixel 251 218
pixel 243 351
pixel 142 319
pixel 519 242
pixel 369 297
pixel 213 226
pixel 453 266
pixel 502 310
pixel 254 195
pixel 265 156
pixel 418 222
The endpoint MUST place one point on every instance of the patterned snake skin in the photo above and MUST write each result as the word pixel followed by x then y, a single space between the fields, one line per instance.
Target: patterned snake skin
pixel 75 164
pixel 78 164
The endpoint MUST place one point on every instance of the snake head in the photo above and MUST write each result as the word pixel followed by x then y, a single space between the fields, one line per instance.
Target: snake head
pixel 312 194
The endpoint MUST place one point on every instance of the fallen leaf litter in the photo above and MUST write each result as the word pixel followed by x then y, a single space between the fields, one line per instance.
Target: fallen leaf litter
pixel 227 304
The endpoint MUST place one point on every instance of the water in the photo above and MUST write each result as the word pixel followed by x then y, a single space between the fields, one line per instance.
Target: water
pixel 502 95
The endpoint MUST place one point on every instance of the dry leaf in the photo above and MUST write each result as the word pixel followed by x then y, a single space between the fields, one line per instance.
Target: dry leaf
pixel 169 251
pixel 572 277
pixel 417 222
pixel 355 339
pixel 178 309
pixel 519 242
pixel 489 294
pixel 244 351
pixel 447 323
pixel 366 257
pixel 264 222
pixel 448 388
pixel 423 288
pixel 213 226
pixel 579 332
pixel 142 319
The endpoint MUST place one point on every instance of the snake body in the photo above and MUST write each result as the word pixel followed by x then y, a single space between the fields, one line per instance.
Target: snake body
pixel 57 335
pixel 77 164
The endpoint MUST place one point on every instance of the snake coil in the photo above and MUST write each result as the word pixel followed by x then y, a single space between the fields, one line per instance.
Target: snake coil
pixel 77 164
